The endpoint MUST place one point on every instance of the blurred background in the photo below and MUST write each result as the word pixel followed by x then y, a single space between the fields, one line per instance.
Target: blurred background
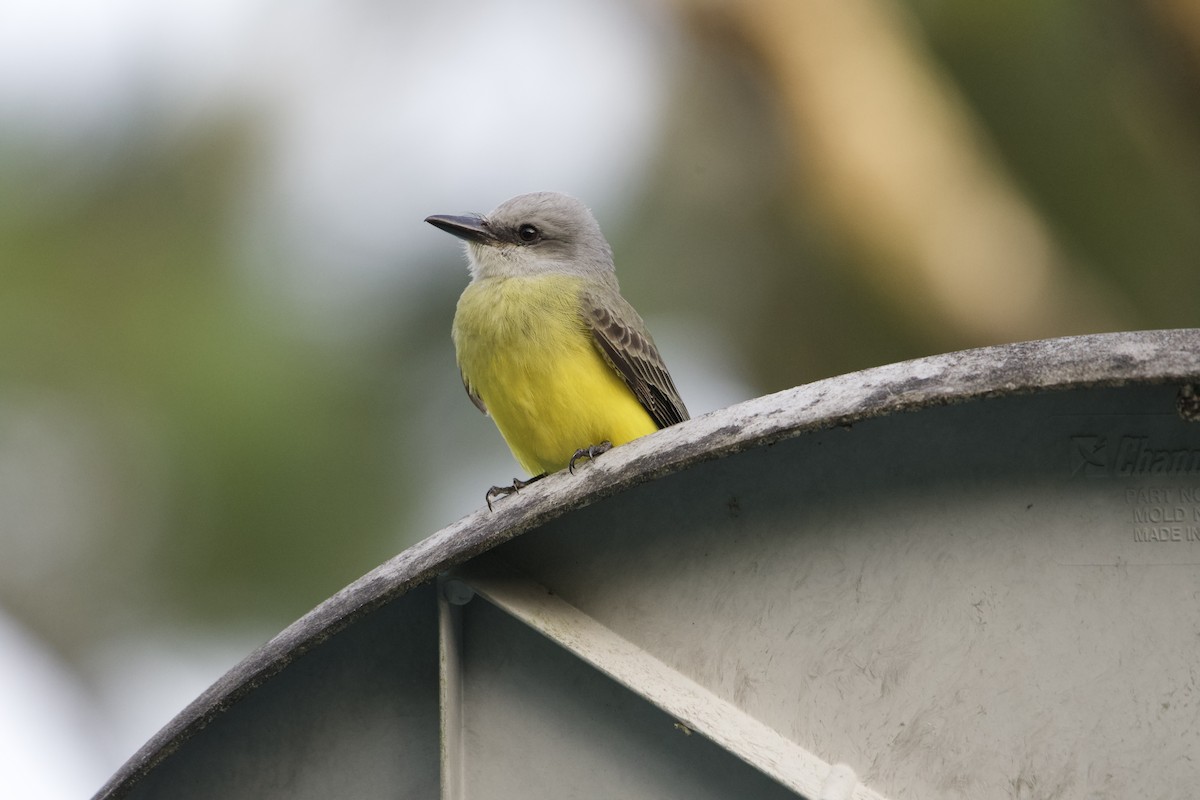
pixel 227 386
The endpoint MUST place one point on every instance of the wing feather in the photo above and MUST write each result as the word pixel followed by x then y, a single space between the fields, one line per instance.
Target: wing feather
pixel 621 337
pixel 475 398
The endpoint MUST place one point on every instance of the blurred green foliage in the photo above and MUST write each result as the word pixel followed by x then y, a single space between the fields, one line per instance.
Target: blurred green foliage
pixel 270 448
pixel 1096 110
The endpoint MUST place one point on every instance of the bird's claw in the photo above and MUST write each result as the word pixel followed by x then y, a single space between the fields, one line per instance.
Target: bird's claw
pixel 588 452
pixel 497 492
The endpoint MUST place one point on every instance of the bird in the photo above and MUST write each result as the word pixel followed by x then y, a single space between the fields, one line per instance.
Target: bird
pixel 545 343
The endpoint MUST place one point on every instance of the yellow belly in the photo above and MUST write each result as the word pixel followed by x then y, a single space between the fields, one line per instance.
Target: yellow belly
pixel 523 349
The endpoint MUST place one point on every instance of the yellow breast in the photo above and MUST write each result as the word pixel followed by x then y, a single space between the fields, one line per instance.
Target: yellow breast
pixel 524 350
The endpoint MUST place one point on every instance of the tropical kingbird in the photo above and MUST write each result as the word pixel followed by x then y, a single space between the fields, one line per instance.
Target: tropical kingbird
pixel 546 344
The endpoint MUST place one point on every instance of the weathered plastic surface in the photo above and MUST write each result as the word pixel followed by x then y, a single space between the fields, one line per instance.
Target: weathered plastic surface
pixel 970 576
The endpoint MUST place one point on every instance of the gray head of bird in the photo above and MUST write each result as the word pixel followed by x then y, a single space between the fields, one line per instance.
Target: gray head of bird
pixel 532 234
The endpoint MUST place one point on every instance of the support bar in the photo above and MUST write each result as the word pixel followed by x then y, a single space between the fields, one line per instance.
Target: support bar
pixel 693 705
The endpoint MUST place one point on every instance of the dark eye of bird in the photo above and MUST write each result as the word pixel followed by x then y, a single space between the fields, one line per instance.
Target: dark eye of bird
pixel 528 233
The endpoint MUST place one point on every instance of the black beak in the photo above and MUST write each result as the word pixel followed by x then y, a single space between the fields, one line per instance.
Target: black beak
pixel 473 228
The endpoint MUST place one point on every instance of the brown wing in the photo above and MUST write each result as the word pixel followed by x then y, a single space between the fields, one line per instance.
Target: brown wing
pixel 622 339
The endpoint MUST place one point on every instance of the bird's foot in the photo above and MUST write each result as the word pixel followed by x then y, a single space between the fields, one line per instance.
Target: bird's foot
pixel 504 491
pixel 588 452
